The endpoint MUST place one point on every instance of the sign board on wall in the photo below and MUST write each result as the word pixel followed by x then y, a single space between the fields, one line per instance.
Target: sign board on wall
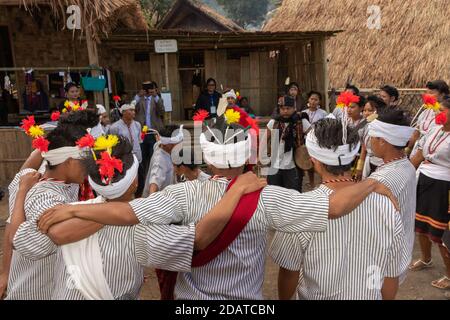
pixel 167 98
pixel 166 46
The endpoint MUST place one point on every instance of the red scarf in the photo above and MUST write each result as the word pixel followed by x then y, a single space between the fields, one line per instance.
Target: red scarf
pixel 85 192
pixel 241 216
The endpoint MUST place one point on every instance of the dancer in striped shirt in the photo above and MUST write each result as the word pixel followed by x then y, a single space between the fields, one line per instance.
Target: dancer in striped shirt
pixel 360 255
pixel 109 264
pixel 389 134
pixel 236 271
pixel 31 277
pixel 84 119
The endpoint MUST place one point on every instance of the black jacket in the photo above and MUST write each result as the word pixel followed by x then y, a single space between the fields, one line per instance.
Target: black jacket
pixel 205 101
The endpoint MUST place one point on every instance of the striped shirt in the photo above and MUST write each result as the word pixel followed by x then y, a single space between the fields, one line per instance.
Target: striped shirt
pixel 350 259
pixel 238 272
pixel 13 188
pixel 125 251
pixel 32 264
pixel 400 177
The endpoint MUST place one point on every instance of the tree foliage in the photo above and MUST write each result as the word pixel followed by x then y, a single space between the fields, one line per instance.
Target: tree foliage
pixel 245 13
pixel 154 10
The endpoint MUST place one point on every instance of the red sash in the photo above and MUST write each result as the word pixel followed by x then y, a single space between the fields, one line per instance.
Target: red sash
pixel 241 216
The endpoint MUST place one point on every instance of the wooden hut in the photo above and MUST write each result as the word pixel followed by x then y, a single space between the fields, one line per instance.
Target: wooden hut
pixel 408 48
pixel 210 45
pixel 33 35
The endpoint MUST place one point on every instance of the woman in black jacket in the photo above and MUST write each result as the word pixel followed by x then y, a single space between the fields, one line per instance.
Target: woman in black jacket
pixel 209 99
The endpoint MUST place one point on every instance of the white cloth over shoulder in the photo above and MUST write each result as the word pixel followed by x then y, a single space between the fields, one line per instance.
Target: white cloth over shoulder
pixel 84 261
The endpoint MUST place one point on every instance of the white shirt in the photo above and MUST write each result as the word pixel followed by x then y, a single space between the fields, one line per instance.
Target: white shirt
pixel 351 258
pixel 316 115
pixel 32 266
pixel 435 146
pixel 280 159
pixel 160 171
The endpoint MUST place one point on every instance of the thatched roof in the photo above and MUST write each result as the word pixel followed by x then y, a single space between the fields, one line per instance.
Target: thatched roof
pixel 99 15
pixel 202 9
pixel 411 47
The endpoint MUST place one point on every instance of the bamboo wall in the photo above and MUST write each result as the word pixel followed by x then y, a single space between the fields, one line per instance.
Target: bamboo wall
pixel 15 147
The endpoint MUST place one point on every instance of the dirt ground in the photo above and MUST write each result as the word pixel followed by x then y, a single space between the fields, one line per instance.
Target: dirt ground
pixel 416 286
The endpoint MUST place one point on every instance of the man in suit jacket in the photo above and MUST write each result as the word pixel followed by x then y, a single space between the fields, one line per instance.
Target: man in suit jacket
pixel 150 113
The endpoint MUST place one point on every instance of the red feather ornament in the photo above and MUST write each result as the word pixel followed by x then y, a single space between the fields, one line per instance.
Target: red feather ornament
pixel 200 115
pixel 429 99
pixel 87 141
pixel 28 123
pixel 347 98
pixel 41 144
pixel 107 166
pixel 55 116
pixel 441 119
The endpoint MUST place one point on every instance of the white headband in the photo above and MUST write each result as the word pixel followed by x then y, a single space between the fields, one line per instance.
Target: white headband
pixel 117 189
pixel 230 94
pixel 100 109
pixel 339 157
pixel 130 106
pixel 393 134
pixel 224 156
pixel 174 139
pixel 58 156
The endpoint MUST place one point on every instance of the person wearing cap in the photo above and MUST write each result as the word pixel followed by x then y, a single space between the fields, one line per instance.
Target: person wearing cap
pixel 129 128
pixel 103 125
pixel 293 91
pixel 288 128
pixel 389 134
pixel 359 256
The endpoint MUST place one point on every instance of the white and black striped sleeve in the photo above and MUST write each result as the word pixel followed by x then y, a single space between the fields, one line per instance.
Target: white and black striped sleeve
pixel 167 247
pixel 13 188
pixel 286 250
pixel 28 240
pixel 290 211
pixel 159 208
pixel 399 257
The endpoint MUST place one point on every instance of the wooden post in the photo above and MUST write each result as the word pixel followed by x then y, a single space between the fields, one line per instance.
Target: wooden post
pixel 166 68
pixel 93 60
pixel 168 115
pixel 326 78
